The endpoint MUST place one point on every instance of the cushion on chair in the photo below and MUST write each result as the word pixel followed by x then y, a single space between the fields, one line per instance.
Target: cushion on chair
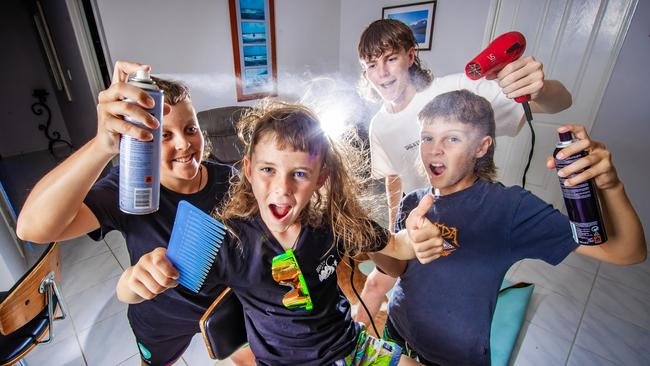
pixel 223 326
pixel 19 342
pixel 509 315
pixel 219 124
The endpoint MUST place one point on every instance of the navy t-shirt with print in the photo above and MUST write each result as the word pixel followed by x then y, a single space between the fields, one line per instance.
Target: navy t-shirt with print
pixel 277 335
pixel 178 310
pixel 444 309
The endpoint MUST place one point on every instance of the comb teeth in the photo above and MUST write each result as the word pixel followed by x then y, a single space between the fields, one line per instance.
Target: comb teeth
pixel 195 240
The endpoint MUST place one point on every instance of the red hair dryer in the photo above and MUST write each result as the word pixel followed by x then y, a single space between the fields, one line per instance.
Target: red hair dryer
pixel 505 49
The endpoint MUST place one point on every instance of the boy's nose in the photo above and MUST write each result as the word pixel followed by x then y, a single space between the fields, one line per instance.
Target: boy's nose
pixel 282 185
pixel 182 143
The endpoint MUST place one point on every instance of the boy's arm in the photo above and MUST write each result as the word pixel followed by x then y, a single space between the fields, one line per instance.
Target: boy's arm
pixel 626 240
pixel 394 196
pixel 54 209
pixel 152 275
pixel 421 239
pixel 388 265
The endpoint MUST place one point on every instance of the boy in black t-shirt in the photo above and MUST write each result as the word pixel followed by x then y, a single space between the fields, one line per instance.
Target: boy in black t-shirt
pixel 66 203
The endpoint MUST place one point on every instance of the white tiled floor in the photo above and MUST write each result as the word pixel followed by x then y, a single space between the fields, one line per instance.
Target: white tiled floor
pixel 96 331
pixel 582 313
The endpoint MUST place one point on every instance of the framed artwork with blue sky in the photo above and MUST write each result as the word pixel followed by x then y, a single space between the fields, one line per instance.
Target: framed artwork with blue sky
pixel 252 27
pixel 419 17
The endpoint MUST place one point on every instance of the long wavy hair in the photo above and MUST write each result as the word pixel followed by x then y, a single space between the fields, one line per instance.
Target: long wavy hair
pixel 469 108
pixel 387 35
pixel 341 203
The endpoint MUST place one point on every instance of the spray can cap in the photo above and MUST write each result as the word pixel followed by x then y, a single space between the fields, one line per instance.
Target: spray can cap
pixel 141 75
pixel 566 136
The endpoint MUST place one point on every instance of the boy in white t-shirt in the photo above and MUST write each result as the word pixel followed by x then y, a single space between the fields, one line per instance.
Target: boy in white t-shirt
pixel 393 74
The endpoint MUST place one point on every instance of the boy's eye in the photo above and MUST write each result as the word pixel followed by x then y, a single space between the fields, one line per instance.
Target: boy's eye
pixel 300 174
pixel 453 139
pixel 166 135
pixel 426 139
pixel 267 170
pixel 370 66
pixel 191 129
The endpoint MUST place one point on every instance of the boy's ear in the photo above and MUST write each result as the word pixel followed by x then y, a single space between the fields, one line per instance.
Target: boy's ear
pixel 166 109
pixel 411 55
pixel 483 146
pixel 324 174
pixel 246 162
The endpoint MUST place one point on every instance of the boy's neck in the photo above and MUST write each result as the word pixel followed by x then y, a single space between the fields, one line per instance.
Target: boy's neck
pixel 402 101
pixel 288 238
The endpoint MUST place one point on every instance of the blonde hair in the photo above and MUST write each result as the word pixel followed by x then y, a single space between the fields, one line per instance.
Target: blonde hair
pixel 338 203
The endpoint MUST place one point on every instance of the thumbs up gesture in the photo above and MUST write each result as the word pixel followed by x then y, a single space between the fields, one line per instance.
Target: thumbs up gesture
pixel 423 234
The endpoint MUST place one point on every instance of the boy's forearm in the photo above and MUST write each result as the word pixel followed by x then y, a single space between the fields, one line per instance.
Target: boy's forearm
pixel 393 196
pixel 56 199
pixel 399 247
pixel 625 237
pixel 124 293
pixel 553 98
pixel 389 265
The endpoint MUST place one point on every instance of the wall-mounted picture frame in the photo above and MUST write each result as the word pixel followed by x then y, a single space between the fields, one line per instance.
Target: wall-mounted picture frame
pixel 252 26
pixel 418 16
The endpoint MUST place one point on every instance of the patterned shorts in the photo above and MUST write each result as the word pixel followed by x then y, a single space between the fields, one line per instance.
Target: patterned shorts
pixel 371 351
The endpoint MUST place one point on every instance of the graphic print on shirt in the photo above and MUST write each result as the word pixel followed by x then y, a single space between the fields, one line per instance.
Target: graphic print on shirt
pixel 450 236
pixel 326 268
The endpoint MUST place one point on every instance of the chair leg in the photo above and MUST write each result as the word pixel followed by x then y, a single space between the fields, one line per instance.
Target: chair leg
pixel 51 290
pixel 22 362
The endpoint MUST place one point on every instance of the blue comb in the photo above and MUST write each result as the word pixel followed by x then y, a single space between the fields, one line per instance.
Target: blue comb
pixel 195 241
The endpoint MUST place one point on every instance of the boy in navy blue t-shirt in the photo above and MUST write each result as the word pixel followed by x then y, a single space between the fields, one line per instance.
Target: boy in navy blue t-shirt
pixel 442 311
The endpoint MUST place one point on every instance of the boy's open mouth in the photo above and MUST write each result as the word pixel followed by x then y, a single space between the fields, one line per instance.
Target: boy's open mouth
pixel 279 211
pixel 388 84
pixel 437 168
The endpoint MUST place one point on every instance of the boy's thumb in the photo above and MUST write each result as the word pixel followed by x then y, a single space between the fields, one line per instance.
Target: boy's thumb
pixel 424 206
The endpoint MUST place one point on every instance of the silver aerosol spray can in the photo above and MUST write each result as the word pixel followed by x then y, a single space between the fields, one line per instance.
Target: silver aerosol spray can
pixel 581 200
pixel 140 160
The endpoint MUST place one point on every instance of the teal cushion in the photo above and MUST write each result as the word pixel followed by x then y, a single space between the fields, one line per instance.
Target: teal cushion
pixel 509 315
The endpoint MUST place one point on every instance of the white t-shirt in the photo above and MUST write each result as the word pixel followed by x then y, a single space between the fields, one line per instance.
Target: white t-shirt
pixel 395 137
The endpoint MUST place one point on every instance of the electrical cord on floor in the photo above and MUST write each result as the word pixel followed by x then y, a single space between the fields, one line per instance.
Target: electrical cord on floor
pixel 529 119
pixel 372 322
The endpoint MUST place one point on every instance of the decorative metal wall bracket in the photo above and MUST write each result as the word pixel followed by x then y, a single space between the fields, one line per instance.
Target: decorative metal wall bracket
pixel 38 108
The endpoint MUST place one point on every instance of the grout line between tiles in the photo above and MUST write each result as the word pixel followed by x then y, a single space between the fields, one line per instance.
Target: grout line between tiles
pixel 584 309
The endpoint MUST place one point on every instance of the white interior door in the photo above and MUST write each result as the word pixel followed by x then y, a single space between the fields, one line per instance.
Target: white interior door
pixel 578 42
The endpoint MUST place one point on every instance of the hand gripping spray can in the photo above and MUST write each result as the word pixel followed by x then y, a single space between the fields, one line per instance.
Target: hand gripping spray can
pixel 140 160
pixel 581 200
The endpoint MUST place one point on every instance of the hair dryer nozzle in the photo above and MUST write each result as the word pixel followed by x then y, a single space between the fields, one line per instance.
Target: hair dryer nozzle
pixel 501 51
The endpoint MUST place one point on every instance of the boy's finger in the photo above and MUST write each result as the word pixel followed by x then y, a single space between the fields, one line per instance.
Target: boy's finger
pixel 418 214
pixel 123 69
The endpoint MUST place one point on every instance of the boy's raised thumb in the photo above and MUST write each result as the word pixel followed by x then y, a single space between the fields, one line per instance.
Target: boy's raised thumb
pixel 418 215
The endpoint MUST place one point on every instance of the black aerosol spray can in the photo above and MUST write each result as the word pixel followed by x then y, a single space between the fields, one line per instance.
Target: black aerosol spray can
pixel 581 200
pixel 140 160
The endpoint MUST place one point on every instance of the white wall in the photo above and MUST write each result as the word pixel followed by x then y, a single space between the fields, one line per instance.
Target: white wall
pixel 457 33
pixel 191 41
pixel 622 121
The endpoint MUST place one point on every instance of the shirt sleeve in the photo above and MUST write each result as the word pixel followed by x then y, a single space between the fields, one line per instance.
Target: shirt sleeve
pixel 507 112
pixel 539 231
pixel 381 165
pixel 103 201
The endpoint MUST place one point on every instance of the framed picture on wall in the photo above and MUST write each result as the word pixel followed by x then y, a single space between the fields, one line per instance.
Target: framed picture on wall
pixel 252 27
pixel 419 17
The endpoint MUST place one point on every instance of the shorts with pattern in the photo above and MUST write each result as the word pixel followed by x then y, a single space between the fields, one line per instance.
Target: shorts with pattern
pixel 371 351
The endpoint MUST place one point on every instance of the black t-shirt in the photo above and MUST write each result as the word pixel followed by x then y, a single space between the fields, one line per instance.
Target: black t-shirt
pixel 444 309
pixel 277 335
pixel 177 310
